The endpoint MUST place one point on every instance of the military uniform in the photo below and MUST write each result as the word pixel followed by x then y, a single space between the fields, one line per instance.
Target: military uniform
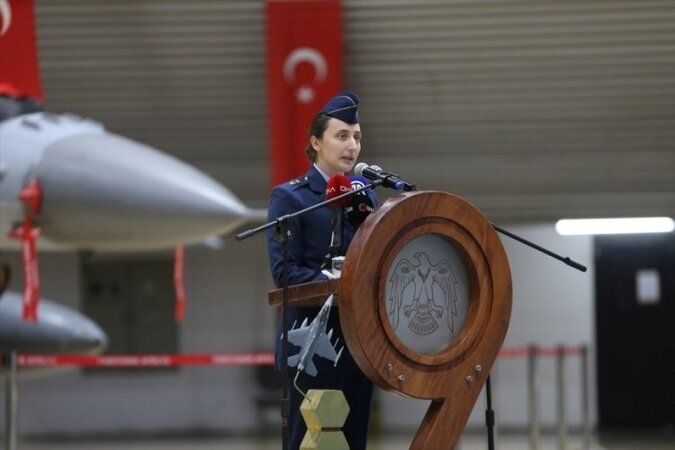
pixel 308 247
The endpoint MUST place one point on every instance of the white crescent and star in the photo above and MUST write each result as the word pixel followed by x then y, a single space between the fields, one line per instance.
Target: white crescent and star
pixel 6 15
pixel 305 94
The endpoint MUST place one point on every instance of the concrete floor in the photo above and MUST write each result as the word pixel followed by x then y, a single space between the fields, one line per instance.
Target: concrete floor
pixel 469 442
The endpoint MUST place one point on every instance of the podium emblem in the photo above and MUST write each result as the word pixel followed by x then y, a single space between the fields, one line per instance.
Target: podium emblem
pixel 428 289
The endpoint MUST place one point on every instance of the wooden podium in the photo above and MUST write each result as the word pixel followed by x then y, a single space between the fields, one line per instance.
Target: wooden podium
pixel 425 302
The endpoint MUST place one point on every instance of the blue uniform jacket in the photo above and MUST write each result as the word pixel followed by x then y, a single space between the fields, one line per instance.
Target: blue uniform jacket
pixel 309 244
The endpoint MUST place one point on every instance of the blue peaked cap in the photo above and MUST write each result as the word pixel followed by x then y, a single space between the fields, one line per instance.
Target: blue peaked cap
pixel 344 106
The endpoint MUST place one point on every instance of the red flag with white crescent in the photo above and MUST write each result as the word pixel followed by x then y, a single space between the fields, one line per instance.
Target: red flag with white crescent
pixel 19 73
pixel 304 70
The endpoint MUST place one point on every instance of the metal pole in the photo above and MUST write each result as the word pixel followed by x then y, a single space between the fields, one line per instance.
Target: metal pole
pixel 11 403
pixel 585 416
pixel 532 400
pixel 283 233
pixel 489 415
pixel 560 397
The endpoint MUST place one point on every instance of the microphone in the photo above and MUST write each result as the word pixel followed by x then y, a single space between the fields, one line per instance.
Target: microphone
pixel 390 180
pixel 358 182
pixel 337 185
pixel 360 205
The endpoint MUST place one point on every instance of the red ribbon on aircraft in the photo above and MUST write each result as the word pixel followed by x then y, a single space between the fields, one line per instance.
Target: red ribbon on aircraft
pixel 28 234
pixel 304 70
pixel 178 283
pixel 31 197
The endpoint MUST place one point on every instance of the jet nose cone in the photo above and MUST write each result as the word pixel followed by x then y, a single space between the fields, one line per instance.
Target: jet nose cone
pixel 58 330
pixel 108 192
pixel 88 337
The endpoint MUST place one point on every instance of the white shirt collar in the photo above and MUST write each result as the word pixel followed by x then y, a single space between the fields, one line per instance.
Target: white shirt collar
pixel 325 177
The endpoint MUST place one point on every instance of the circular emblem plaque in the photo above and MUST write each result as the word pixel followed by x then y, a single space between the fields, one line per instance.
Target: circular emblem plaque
pixel 427 294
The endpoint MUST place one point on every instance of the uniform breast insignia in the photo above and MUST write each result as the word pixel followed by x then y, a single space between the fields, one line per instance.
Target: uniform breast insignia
pixel 297 181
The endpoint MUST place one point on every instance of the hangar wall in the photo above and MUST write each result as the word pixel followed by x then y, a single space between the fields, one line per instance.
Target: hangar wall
pixel 533 110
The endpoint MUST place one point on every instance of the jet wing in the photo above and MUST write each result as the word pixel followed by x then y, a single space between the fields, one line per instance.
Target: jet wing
pixel 298 336
pixel 311 369
pixel 325 348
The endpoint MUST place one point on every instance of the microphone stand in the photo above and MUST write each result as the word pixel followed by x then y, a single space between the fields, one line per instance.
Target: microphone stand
pixel 566 259
pixel 283 234
pixel 489 415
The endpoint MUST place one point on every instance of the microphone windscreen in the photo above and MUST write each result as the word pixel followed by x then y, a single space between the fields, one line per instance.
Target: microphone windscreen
pixel 338 185
pixel 360 206
pixel 358 170
pixel 358 182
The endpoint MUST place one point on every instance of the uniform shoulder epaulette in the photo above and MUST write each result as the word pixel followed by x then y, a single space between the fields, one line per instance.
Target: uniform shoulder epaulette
pixel 297 182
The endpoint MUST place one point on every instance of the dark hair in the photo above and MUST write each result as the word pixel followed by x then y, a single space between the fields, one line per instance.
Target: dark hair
pixel 316 129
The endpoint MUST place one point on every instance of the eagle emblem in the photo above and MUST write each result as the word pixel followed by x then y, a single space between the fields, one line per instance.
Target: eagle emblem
pixel 423 275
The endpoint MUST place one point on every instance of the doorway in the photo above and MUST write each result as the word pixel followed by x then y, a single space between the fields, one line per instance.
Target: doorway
pixel 635 331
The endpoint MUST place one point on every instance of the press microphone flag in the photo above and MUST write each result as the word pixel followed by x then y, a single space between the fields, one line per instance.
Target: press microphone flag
pixel 360 204
pixel 336 186
pixel 358 182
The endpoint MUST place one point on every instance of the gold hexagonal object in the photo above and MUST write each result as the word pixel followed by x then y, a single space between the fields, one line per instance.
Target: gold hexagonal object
pixel 324 408
pixel 325 412
pixel 324 440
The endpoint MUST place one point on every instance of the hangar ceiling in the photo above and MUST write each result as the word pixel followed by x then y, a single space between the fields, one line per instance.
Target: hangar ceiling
pixel 532 110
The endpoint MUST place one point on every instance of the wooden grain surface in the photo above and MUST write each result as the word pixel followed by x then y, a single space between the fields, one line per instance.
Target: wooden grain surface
pixel 306 294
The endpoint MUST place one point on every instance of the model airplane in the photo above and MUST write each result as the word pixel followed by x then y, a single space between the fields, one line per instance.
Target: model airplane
pixel 313 339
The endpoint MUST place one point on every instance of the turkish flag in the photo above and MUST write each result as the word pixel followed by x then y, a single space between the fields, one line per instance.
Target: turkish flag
pixel 304 71
pixel 19 73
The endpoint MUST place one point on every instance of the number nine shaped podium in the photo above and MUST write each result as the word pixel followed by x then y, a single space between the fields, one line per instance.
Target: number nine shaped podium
pixel 425 302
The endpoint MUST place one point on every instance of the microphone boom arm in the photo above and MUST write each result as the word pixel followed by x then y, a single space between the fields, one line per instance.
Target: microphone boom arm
pixel 374 183
pixel 253 231
pixel 567 260
pixel 392 180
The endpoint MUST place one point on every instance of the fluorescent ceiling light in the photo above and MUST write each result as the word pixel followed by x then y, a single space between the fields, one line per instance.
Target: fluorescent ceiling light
pixel 615 226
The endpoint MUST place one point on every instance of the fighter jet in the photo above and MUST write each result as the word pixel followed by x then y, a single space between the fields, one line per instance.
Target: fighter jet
pixel 92 189
pixel 313 339
pixel 80 187
pixel 101 191
pixel 58 330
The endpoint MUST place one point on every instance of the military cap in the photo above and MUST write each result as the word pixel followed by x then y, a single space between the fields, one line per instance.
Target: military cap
pixel 343 106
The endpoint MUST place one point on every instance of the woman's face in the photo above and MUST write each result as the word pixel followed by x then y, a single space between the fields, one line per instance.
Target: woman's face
pixel 337 150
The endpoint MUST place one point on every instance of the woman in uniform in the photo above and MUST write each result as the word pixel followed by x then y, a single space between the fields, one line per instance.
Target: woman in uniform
pixel 333 148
